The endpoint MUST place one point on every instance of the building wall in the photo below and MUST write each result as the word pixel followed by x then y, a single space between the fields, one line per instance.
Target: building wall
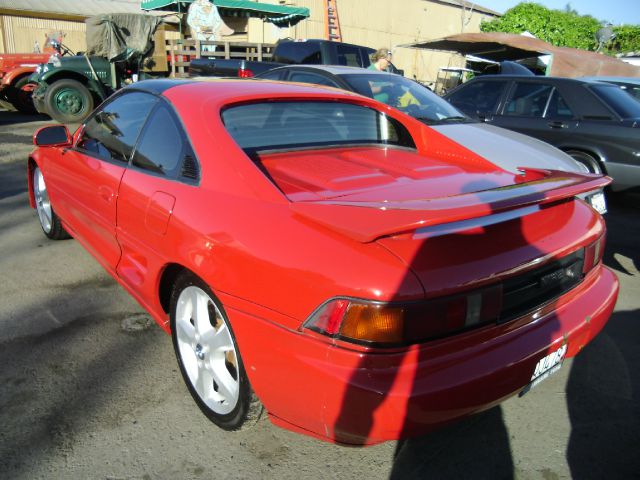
pixel 385 23
pixel 374 23
pixel 19 34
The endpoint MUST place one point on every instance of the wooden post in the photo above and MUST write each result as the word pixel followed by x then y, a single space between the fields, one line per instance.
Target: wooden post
pixel 173 58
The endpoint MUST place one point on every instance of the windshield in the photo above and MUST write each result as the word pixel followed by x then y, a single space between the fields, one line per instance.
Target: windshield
pixel 405 95
pixel 617 99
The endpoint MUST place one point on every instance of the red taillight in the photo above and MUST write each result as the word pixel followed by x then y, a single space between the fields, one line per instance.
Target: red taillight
pixel 378 323
pixel 245 73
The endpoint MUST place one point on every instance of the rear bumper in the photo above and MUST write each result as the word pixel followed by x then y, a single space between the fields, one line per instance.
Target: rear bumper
pixel 355 397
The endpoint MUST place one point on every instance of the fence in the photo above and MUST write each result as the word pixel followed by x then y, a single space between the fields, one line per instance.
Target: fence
pixel 180 52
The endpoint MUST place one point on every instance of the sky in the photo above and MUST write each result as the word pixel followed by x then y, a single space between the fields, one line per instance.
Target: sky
pixel 616 11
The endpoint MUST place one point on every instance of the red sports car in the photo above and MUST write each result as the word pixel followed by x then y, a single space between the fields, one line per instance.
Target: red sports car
pixel 325 256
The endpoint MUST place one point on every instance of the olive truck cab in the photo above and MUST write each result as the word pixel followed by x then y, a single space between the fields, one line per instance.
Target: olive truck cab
pixel 118 45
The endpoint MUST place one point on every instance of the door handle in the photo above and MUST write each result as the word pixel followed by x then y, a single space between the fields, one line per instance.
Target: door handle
pixel 557 125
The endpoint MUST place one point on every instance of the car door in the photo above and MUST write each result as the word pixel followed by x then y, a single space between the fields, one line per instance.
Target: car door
pixel 537 109
pixel 87 176
pixel 479 98
pixel 163 178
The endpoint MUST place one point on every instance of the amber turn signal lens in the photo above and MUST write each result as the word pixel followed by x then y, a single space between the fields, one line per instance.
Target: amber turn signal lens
pixel 373 323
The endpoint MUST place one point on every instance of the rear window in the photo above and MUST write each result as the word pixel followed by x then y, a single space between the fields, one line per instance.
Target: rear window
pixel 352 55
pixel 287 125
pixel 298 52
pixel 618 100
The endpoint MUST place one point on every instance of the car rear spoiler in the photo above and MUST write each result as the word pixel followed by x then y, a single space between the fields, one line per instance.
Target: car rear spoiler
pixel 367 221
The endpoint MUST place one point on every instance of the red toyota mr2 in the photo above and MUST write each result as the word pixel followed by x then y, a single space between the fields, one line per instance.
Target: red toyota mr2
pixel 325 257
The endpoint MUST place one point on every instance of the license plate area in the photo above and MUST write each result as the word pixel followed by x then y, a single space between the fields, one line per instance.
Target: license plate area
pixel 598 202
pixel 546 366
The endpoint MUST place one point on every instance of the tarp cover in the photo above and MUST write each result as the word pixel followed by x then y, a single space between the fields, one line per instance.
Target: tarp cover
pixel 566 62
pixel 121 36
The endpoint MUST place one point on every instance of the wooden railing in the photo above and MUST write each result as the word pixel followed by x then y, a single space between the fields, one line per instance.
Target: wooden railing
pixel 180 53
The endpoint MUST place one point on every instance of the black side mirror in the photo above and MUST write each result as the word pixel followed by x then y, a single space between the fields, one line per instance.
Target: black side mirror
pixel 53 136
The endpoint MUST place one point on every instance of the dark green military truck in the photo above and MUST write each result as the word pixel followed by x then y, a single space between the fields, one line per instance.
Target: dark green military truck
pixel 68 88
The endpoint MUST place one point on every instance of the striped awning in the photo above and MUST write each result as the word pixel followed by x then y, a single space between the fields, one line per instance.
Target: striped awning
pixel 281 15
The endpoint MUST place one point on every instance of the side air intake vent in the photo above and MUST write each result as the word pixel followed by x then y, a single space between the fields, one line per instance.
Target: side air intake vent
pixel 190 168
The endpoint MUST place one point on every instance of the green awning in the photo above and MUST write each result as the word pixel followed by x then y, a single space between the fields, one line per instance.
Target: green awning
pixel 281 15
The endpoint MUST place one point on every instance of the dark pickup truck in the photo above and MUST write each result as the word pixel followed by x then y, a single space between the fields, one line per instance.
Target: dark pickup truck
pixel 286 52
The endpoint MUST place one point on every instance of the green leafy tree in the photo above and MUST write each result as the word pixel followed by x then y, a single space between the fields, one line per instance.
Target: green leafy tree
pixel 562 28
pixel 627 39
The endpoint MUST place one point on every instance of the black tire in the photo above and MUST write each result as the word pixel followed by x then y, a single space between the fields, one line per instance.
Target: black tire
pixel 20 99
pixel 589 161
pixel 204 370
pixel 49 221
pixel 68 101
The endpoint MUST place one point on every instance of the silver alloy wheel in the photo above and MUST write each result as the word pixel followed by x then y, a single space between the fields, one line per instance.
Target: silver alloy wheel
pixel 207 350
pixel 43 205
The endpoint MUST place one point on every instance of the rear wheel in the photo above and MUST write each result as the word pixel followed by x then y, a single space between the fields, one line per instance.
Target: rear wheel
pixel 68 101
pixel 49 221
pixel 208 356
pixel 21 99
pixel 586 160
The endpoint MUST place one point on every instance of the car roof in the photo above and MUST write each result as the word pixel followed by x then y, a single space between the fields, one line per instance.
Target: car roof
pixel 543 78
pixel 633 80
pixel 333 69
pixel 233 87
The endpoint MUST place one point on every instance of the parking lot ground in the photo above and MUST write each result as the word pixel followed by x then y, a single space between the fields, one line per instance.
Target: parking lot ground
pixel 89 386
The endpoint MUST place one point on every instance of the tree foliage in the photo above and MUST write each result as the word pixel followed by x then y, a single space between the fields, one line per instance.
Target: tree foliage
pixel 562 28
pixel 627 39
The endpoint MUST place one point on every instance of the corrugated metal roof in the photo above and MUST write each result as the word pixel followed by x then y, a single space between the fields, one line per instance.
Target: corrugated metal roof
pixel 85 8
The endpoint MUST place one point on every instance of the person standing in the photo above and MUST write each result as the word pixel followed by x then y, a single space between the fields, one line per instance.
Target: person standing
pixel 380 60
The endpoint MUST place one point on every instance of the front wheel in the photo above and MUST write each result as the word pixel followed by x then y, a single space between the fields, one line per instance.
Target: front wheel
pixel 21 99
pixel 49 221
pixel 68 101
pixel 208 356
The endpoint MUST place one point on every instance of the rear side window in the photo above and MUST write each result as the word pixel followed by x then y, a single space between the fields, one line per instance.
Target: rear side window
pixel 480 97
pixel 286 125
pixel 528 100
pixel 618 100
pixel 558 107
pixel 163 148
pixel 112 132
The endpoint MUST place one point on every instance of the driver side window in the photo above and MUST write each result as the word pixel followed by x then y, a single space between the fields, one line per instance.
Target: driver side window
pixel 111 133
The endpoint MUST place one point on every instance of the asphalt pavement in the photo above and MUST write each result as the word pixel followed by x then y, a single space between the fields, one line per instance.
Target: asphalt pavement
pixel 90 388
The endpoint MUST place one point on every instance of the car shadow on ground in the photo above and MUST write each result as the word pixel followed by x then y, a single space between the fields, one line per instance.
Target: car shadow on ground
pixel 8 117
pixel 622 251
pixel 56 383
pixel 476 447
pixel 13 179
pixel 603 400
